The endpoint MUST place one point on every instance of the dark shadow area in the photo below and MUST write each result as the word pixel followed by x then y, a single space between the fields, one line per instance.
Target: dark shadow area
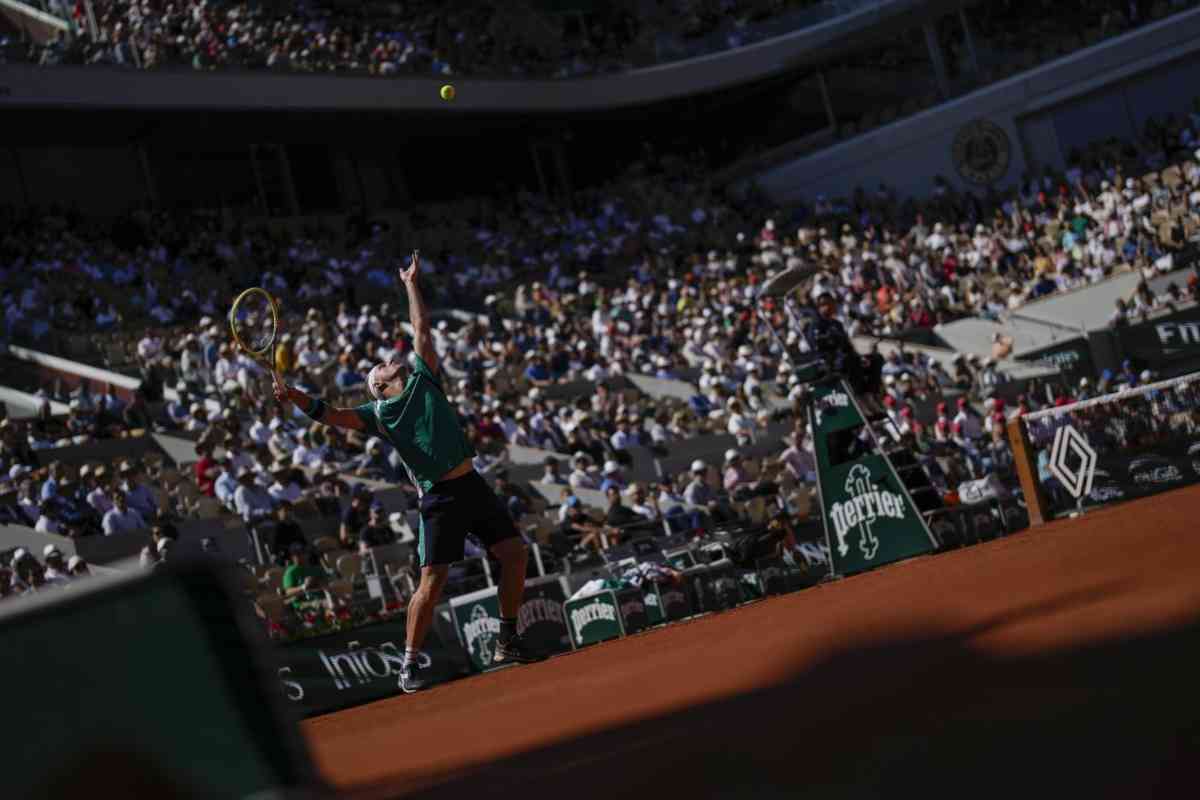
pixel 913 717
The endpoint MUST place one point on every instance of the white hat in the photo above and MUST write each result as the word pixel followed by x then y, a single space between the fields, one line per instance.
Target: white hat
pixel 50 550
pixel 610 467
pixel 372 443
pixel 18 470
pixel 74 561
pixel 1084 382
pixel 163 544
pixel 731 455
pixel 580 456
pixel 699 466
pixel 1146 375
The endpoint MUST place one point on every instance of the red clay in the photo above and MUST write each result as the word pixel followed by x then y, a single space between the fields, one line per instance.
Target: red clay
pixel 827 681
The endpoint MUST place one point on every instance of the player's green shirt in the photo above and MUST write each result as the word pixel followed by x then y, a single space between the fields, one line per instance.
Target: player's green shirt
pixel 422 425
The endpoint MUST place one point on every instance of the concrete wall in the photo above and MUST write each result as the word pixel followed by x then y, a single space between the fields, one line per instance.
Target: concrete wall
pixel 1099 91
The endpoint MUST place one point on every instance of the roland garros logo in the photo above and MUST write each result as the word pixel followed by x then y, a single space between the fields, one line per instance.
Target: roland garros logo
pixel 863 507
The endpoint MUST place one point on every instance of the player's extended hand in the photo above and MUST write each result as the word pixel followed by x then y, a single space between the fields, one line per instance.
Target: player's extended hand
pixel 409 274
pixel 285 394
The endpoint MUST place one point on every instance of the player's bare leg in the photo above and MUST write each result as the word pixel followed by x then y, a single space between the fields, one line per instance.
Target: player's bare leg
pixel 413 675
pixel 513 557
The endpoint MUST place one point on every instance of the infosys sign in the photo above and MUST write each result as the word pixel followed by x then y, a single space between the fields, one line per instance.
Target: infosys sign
pixel 354 667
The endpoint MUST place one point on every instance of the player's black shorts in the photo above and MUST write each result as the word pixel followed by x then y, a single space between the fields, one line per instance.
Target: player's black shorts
pixel 452 509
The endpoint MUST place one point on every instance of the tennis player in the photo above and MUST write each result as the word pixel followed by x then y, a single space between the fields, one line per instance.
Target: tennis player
pixel 411 411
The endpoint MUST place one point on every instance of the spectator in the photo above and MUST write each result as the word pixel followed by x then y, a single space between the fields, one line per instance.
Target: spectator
pixel 56 572
pixel 287 533
pixel 377 532
pixel 251 501
pixel 46 521
pixel 551 474
pixel 137 495
pixel 355 517
pixel 78 568
pixel 206 469
pixel 121 518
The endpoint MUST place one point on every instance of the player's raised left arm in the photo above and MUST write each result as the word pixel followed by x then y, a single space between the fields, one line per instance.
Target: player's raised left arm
pixel 418 312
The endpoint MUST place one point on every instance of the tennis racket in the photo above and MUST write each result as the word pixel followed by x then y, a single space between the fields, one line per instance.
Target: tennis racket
pixel 254 322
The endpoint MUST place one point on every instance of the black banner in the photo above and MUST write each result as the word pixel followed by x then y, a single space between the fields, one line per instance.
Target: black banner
pixel 1169 344
pixel 1072 357
pixel 349 668
pixel 1129 474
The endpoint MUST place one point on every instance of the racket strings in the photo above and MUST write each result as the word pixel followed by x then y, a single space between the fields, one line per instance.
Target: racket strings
pixel 254 323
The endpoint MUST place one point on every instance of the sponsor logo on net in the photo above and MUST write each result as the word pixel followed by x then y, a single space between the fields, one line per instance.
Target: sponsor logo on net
pixel 863 507
pixel 596 611
pixel 1159 473
pixel 1105 494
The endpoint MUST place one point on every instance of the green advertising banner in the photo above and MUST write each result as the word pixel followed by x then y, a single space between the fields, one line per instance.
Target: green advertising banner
pixel 870 519
pixel 540 620
pixel 595 618
pixel 633 610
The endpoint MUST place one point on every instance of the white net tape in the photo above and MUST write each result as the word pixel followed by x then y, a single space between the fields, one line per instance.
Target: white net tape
pixel 1181 383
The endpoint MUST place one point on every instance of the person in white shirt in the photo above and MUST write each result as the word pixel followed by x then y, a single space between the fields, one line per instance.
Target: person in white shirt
pixel 580 477
pixel 798 460
pixel 740 425
pixel 285 486
pixel 251 501
pixel 46 522
pixel 621 438
pixel 226 368
pixel 137 495
pixel 305 454
pixel 226 484
pixel 98 498
pixel 149 347
pixel 260 431
pixel 121 518
pixel 56 571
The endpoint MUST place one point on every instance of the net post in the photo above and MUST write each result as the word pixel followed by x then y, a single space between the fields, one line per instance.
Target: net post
pixel 1031 487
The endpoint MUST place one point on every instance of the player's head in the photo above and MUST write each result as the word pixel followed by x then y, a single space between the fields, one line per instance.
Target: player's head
pixel 385 381
pixel 826 306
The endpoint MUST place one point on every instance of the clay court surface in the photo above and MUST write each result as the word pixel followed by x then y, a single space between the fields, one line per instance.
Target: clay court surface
pixel 1064 660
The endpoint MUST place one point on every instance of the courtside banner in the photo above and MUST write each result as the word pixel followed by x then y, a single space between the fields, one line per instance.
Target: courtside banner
pixel 1072 357
pixel 350 668
pixel 595 618
pixel 1168 343
pixel 540 620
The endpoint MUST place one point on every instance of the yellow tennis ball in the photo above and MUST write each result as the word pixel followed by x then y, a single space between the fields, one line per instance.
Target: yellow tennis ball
pixel 448 92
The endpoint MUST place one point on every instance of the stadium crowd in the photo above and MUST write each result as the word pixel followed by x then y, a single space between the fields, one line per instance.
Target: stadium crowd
pixel 517 39
pixel 380 38
pixel 652 274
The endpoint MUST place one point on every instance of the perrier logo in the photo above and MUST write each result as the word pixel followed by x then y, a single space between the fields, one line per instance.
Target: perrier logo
pixel 479 632
pixel 863 506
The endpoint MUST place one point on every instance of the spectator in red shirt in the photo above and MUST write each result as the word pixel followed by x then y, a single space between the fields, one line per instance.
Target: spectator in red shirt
pixel 207 469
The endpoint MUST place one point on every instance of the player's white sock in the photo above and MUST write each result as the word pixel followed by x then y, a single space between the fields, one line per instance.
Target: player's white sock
pixel 410 656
